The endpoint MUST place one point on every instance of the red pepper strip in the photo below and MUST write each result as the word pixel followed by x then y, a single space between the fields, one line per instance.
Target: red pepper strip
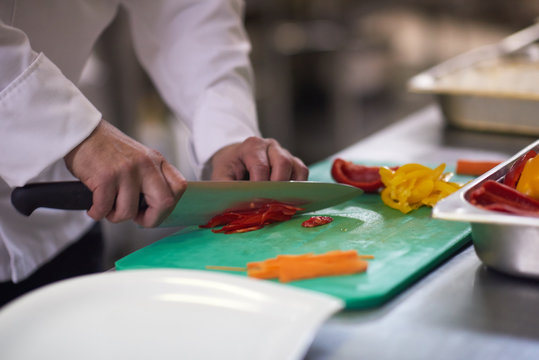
pixel 367 178
pixel 229 229
pixel 246 221
pixel 511 178
pixel 317 221
pixel 505 208
pixel 221 219
pixel 496 196
pixel 254 217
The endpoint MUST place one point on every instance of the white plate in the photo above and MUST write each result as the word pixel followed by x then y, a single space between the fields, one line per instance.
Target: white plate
pixel 163 314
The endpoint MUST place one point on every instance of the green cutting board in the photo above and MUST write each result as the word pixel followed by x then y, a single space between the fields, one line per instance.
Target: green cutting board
pixel 405 247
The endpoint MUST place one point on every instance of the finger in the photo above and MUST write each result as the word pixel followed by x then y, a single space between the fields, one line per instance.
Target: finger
pixel 159 199
pixel 102 201
pixel 175 180
pixel 255 158
pixel 227 171
pixel 300 170
pixel 280 162
pixel 160 195
pixel 127 201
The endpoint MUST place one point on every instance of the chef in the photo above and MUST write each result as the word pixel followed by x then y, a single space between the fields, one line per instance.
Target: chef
pixel 196 53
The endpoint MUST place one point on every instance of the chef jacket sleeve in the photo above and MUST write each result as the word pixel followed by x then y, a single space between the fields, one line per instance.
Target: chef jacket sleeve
pixel 197 54
pixel 42 114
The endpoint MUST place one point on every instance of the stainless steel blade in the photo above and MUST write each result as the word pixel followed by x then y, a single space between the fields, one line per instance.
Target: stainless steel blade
pixel 204 199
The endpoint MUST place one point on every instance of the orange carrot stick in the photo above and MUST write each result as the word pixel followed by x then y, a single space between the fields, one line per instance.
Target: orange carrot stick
pixel 313 268
pixel 295 267
pixel 269 269
pixel 474 167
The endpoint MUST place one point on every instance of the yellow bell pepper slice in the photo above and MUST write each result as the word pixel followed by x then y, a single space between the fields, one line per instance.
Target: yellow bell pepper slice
pixel 529 178
pixel 414 185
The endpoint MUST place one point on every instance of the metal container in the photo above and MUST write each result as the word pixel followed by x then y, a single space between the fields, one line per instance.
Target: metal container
pixel 505 242
pixel 493 88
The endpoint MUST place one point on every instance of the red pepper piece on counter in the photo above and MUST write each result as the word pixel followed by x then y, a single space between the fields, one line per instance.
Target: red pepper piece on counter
pixel 367 178
pixel 317 221
pixel 511 178
pixel 496 196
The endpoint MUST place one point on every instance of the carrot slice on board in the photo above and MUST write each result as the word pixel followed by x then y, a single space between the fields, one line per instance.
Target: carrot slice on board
pixel 474 167
pixel 288 268
pixel 291 271
pixel 270 268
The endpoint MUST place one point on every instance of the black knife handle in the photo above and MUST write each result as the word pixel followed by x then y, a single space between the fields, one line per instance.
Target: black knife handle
pixel 65 195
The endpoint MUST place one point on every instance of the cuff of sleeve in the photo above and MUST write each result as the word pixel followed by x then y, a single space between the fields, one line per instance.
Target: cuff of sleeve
pixel 44 116
pixel 225 116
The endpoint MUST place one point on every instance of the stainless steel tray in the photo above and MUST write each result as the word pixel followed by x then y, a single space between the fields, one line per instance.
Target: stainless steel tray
pixel 483 97
pixel 507 243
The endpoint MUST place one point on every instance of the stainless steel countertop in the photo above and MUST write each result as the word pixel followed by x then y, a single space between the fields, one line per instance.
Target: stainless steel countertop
pixel 461 310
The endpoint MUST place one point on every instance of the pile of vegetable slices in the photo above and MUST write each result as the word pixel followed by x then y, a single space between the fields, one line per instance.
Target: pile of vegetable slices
pixel 257 215
pixel 411 186
pixel 517 193
pixel 403 188
pixel 414 185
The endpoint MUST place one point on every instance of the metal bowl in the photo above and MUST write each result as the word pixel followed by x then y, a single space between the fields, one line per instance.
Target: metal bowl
pixel 505 242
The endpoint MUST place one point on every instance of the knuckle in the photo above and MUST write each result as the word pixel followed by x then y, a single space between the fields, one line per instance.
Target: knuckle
pixel 166 203
pixel 124 214
pixel 98 211
pixel 284 162
pixel 94 215
pixel 263 168
pixel 237 165
pixel 113 219
pixel 145 162
pixel 100 180
pixel 302 171
pixel 254 141
pixel 155 155
pixel 251 139
pixel 126 168
pixel 182 185
pixel 236 169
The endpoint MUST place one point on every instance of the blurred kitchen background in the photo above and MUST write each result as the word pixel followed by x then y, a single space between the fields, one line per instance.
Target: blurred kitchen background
pixel 328 72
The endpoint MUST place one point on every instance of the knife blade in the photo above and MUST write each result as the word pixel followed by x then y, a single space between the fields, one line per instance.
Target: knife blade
pixel 201 200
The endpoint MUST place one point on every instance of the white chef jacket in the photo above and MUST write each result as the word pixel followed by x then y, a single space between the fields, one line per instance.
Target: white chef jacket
pixel 195 51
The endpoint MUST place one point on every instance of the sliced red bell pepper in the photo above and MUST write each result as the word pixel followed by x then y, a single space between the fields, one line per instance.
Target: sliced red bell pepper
pixel 233 229
pixel 221 219
pixel 367 178
pixel 496 196
pixel 317 221
pixel 252 217
pixel 511 178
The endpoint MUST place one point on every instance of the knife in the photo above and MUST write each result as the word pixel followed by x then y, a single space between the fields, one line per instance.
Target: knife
pixel 201 200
